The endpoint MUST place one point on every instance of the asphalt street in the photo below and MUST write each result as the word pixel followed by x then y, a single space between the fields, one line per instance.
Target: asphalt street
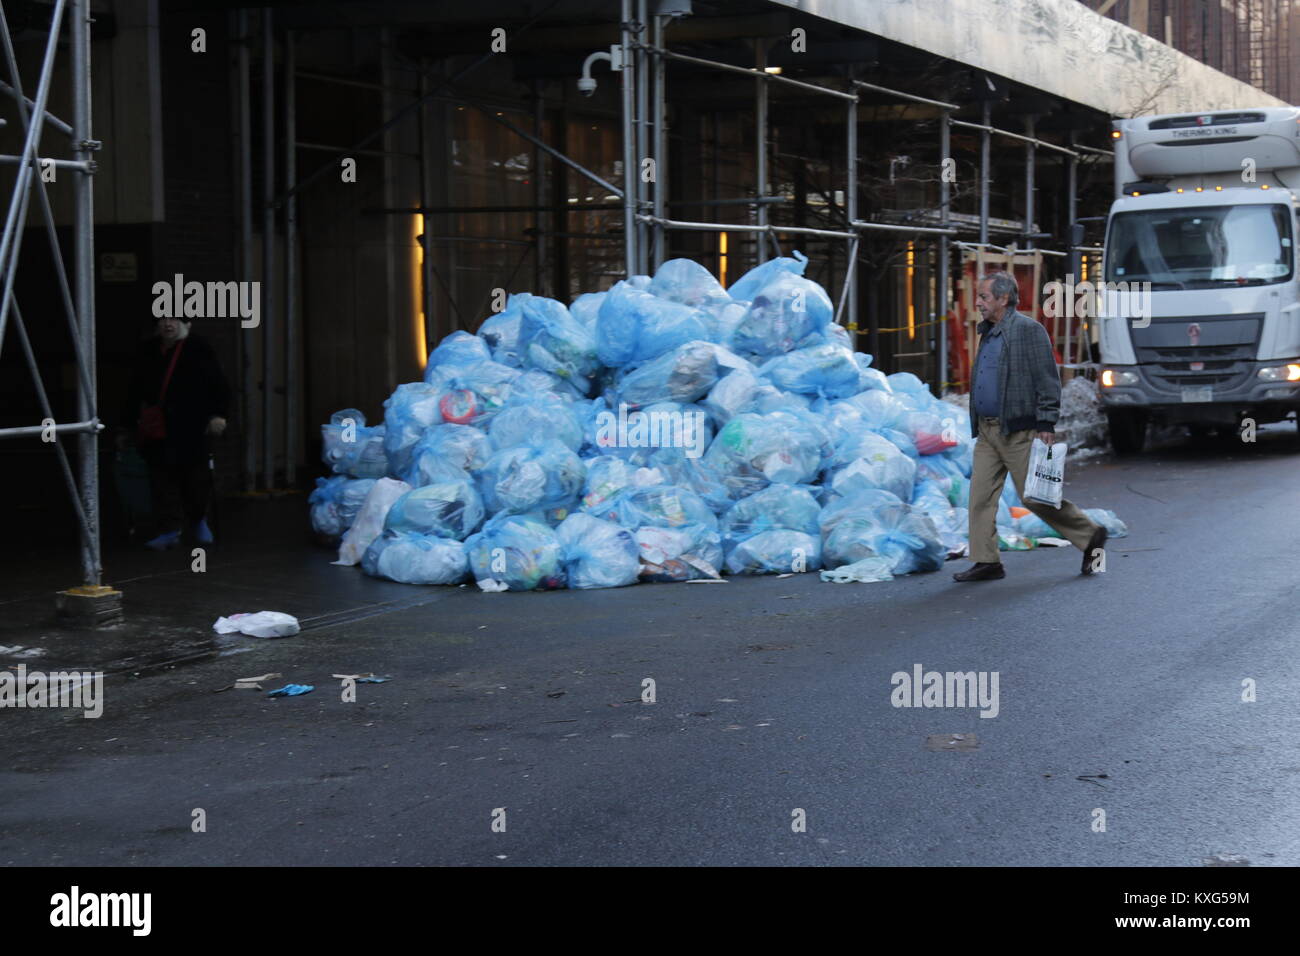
pixel 513 730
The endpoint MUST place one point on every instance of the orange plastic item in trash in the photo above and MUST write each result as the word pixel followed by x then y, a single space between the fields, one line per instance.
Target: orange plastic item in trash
pixel 1018 512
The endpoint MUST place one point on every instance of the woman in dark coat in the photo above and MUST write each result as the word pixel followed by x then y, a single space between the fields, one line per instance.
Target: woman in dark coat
pixel 193 411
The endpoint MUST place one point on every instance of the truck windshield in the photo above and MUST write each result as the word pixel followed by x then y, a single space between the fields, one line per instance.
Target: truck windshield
pixel 1201 247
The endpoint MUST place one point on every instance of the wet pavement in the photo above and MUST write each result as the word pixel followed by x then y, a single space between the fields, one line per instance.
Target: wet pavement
pixel 1121 693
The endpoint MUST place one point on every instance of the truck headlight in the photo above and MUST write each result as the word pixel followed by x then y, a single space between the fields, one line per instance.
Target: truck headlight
pixel 1114 376
pixel 1280 373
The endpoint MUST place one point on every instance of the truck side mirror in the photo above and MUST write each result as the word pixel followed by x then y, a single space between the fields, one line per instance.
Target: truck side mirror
pixel 1076 234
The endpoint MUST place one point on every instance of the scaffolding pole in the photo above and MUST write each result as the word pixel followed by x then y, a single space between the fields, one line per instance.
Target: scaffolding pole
pixel 91 602
pixel 851 213
pixel 642 137
pixel 660 140
pixel 760 143
pixel 83 264
pixel 1031 156
pixel 247 396
pixel 761 227
pixel 268 248
pixel 985 129
pixel 941 280
pixel 626 77
pixel 290 269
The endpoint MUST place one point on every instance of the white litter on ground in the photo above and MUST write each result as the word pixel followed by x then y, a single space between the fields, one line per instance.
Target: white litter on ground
pixel 259 624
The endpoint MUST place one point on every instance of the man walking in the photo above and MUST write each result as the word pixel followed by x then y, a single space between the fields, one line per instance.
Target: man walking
pixel 1015 396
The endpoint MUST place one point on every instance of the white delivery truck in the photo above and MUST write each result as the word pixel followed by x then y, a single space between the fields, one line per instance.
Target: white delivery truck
pixel 1206 213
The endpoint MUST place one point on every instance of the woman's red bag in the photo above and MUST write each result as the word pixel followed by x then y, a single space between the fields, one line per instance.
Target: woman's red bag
pixel 152 425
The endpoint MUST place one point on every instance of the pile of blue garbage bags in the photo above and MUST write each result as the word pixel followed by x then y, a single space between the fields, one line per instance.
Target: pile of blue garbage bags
pixel 667 429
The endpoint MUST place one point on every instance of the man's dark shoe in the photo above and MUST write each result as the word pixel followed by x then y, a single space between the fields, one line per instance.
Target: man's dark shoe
pixel 982 571
pixel 1097 541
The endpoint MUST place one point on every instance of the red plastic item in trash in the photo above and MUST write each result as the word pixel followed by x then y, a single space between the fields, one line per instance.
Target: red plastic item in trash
pixel 459 406
pixel 928 444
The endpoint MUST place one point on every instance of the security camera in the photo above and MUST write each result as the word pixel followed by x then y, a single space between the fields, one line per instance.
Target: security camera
pixel 586 85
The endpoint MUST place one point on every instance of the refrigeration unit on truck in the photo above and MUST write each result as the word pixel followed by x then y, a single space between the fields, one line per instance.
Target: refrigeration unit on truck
pixel 1206 213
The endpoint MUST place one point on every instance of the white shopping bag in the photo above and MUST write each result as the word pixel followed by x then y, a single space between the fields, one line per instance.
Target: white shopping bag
pixel 1046 476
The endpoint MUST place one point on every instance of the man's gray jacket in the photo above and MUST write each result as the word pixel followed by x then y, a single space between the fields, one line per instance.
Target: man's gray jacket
pixel 1029 382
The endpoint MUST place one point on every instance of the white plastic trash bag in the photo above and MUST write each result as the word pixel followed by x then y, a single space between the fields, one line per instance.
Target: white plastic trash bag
pixel 369 522
pixel 1045 479
pixel 260 624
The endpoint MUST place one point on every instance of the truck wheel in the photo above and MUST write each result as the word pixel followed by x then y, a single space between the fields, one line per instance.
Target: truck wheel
pixel 1128 431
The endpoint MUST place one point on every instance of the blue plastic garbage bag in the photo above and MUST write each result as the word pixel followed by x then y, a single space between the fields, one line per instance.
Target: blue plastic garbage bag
pixel 607 476
pixel 473 395
pixel 893 474
pixel 809 429
pixel 908 384
pixel 636 434
pixel 928 493
pixel 670 508
pixel 788 312
pixel 775 552
pixel 585 308
pixel 734 393
pixel 292 690
pixel 634 326
pixel 874 522
pixel 751 283
pixel 843 418
pixel 693 474
pixel 884 465
pixel 683 375
pixel 931 498
pixel 447 452
pixel 835 334
pixel 408 412
pixel 663 506
pixel 552 340
pixel 448 509
pixel 521 551
pixel 408 557
pixel 827 370
pixel 350 448
pixel 1032 526
pixel 1109 520
pixel 775 508
pixel 880 409
pixel 525 418
pixel 608 433
pixel 772 399
pixel 843 520
pixel 687 282
pixel 597 554
pixel 752 451
pixel 501 331
pixel 952 524
pixel 335 503
pixel 872 378
pixel 534 381
pixel 545 476
pixel 459 350
pixel 725 316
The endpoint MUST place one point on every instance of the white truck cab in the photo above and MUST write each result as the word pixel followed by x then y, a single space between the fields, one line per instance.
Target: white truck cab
pixel 1206 221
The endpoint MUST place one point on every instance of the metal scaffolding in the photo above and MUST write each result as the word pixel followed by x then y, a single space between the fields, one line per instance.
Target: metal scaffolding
pixel 76 292
pixel 641 57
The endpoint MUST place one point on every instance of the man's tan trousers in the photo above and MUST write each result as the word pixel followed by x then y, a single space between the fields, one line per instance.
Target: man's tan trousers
pixel 995 454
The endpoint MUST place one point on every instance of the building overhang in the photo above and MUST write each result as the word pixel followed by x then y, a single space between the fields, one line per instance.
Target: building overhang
pixel 1058 46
